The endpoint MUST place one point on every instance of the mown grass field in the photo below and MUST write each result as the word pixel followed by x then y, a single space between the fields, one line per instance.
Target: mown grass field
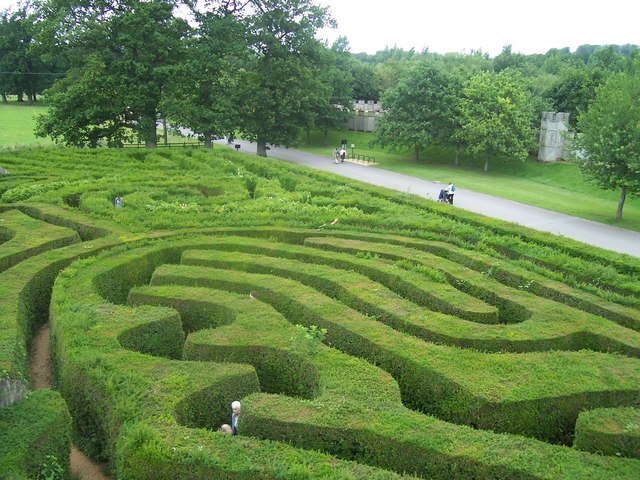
pixel 17 121
pixel 368 333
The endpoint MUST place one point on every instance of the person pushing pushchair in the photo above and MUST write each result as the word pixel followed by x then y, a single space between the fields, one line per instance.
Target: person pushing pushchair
pixel 446 194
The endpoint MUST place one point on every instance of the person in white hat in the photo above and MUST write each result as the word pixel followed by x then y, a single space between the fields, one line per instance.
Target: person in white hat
pixel 235 414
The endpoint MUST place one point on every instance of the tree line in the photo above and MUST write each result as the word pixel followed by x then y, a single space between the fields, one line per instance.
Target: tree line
pixel 112 69
pixel 252 66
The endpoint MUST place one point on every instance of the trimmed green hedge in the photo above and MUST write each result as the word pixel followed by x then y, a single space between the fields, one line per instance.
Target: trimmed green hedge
pixel 25 292
pixel 434 379
pixel 24 244
pixel 65 218
pixel 109 388
pixel 517 292
pixel 91 380
pixel 609 431
pixel 35 437
pixel 151 453
pixel 549 331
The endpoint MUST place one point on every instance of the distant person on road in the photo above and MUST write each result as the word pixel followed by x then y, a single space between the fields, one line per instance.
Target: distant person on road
pixel 446 194
pixel 336 155
pixel 343 154
pixel 451 189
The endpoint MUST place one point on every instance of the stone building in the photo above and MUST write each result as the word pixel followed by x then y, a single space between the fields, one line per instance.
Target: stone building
pixel 365 114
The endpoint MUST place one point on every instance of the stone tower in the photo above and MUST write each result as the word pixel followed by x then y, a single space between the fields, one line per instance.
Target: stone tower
pixel 553 133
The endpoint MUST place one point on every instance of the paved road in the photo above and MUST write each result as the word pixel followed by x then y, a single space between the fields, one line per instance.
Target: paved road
pixel 586 231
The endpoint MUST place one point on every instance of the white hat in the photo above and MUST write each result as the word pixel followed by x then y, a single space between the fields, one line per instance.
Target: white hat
pixel 235 404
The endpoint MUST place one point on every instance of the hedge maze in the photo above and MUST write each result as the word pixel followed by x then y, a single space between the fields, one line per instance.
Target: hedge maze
pixel 368 334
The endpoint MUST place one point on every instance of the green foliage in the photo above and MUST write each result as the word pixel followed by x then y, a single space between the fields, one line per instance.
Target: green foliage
pixel 283 74
pixel 98 119
pixel 289 183
pixel 311 337
pixel 24 69
pixel 420 110
pixel 575 89
pixel 35 438
pixel 432 274
pixel 609 151
pixel 336 89
pixel 610 431
pixel 203 93
pixel 251 183
pixel 108 96
pixel 25 192
pixel 161 336
pixel 497 117
pixel 51 469
pixel 21 244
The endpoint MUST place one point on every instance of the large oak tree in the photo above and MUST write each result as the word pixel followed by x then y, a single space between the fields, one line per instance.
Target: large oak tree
pixel 279 83
pixel 203 95
pixel 133 46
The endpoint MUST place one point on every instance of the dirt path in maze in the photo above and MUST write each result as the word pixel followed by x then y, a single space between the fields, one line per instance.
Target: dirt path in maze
pixel 82 468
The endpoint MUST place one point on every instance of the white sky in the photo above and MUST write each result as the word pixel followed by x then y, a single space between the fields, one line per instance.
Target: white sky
pixel 445 26
pixel 464 25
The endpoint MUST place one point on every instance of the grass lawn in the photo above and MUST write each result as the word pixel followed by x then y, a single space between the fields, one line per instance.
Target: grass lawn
pixel 17 122
pixel 555 186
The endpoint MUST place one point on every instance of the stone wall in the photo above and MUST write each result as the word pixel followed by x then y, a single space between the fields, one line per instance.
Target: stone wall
pixel 11 391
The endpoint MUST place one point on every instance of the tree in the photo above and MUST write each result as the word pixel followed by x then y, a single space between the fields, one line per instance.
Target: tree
pixel 556 60
pixel 203 93
pixel 365 82
pixel 10 47
pixel 508 59
pixel 420 110
pixel 575 90
pixel 608 58
pixel 134 44
pixel 609 145
pixel 21 68
pixel 82 110
pixel 330 102
pixel 497 117
pixel 276 84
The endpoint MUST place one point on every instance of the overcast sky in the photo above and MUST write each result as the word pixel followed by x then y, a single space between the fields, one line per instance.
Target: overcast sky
pixel 464 25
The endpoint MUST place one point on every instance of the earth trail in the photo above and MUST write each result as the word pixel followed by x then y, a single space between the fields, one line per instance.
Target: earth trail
pixel 82 467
